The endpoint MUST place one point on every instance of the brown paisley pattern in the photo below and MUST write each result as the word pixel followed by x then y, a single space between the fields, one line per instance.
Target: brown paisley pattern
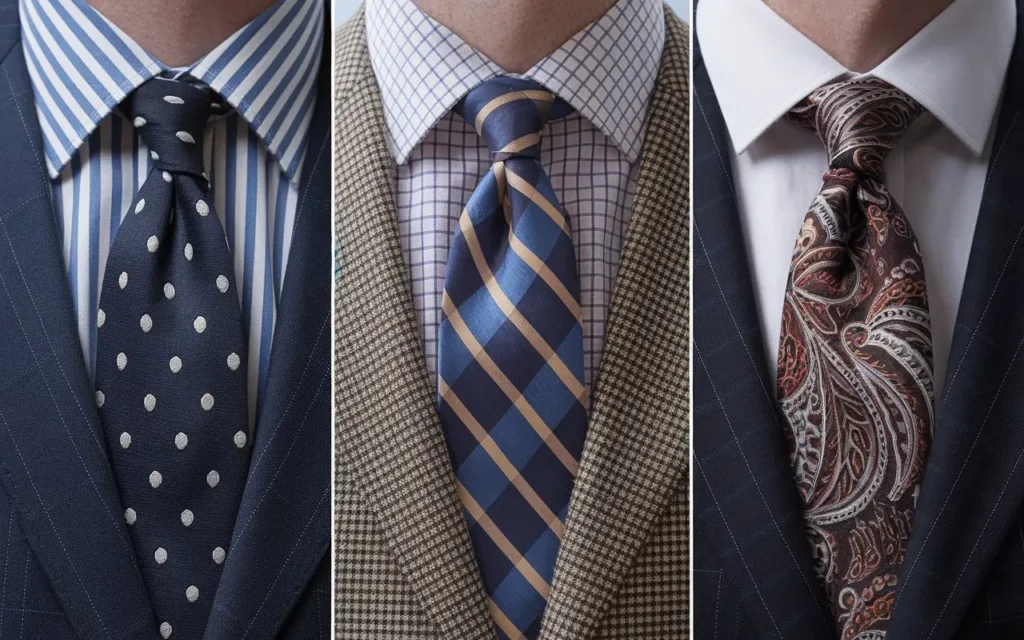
pixel 855 357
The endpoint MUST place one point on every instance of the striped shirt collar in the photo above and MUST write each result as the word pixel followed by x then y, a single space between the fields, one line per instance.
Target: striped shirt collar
pixel 82 66
pixel 606 71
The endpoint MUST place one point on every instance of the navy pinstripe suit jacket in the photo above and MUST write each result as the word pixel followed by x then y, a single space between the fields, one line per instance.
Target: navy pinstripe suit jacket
pixel 964 576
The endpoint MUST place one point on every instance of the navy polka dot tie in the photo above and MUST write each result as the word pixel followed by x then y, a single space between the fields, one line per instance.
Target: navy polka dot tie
pixel 171 370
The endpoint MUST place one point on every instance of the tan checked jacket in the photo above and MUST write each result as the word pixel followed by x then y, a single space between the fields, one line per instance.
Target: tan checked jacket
pixel 405 565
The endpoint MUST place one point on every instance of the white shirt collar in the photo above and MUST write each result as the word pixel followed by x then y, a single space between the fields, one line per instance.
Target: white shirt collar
pixel 606 71
pixel 760 66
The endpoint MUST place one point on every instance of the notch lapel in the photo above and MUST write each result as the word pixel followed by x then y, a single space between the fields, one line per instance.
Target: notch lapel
pixel 974 479
pixel 634 458
pixel 282 532
pixel 53 460
pixel 747 502
pixel 389 434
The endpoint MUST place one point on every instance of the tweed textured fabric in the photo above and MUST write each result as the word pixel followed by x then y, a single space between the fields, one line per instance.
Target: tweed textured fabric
pixel 404 562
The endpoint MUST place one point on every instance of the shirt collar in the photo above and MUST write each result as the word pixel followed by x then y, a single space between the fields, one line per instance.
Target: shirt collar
pixel 82 66
pixel 606 71
pixel 760 66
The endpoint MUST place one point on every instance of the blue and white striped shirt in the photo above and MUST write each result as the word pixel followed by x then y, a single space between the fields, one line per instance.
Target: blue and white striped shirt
pixel 82 66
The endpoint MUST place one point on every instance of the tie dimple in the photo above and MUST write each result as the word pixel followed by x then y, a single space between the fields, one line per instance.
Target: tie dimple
pixel 170 372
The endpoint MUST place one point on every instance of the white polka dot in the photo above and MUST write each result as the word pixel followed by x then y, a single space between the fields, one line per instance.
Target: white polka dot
pixel 126 440
pixel 167 177
pixel 165 630
pixel 218 555
pixel 100 398
pixel 100 318
pixel 202 208
pixel 187 518
pixel 192 593
pixel 240 439
pixel 206 402
pixel 173 100
pixel 139 121
pixel 200 324
pixel 149 401
pixel 222 283
pixel 155 479
pixel 180 441
pixel 130 516
pixel 185 137
pixel 168 290
pixel 140 206
pixel 122 280
pixel 154 155
pixel 160 556
pixel 234 361
pixel 175 364
pixel 146 323
pixel 153 243
pixel 213 478
pixel 122 361
pixel 188 251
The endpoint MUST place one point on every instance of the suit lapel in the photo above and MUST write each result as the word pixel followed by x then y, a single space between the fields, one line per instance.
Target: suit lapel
pixel 748 504
pixel 634 457
pixel 53 460
pixel 389 435
pixel 974 480
pixel 282 532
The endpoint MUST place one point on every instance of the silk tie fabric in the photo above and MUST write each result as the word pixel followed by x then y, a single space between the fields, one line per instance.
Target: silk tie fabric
pixel 170 374
pixel 855 357
pixel 512 401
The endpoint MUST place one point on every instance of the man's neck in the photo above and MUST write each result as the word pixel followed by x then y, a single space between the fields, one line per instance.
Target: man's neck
pixel 179 33
pixel 515 34
pixel 859 34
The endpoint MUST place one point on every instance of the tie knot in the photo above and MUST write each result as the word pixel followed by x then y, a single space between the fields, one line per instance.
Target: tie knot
pixel 170 116
pixel 509 114
pixel 858 121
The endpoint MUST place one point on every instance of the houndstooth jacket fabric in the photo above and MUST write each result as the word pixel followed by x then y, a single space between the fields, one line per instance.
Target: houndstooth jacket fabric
pixel 404 562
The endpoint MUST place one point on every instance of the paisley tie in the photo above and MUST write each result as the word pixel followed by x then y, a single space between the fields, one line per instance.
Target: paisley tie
pixel 510 357
pixel 855 357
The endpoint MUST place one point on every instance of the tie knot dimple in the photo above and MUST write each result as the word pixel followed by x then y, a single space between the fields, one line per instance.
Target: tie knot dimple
pixel 858 121
pixel 509 114
pixel 170 117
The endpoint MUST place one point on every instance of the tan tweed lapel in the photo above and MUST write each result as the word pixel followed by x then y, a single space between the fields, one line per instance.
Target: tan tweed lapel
pixel 636 449
pixel 389 434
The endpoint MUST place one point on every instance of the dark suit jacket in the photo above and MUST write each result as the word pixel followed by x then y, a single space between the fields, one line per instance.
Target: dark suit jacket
pixel 67 565
pixel 964 573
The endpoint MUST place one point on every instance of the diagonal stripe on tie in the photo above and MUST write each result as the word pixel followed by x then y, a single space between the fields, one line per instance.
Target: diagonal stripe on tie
pixel 511 396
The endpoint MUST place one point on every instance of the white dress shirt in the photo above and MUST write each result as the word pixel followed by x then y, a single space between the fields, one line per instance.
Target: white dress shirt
pixel 760 66
pixel 606 72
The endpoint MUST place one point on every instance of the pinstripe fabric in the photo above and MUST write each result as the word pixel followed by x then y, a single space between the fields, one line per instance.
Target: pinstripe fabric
pixel 82 66
pixel 404 561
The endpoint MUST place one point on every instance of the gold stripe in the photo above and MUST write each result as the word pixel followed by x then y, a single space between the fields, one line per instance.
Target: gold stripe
pixel 492 369
pixel 528 190
pixel 519 144
pixel 503 543
pixel 546 274
pixel 506 625
pixel 506 466
pixel 561 370
pixel 512 96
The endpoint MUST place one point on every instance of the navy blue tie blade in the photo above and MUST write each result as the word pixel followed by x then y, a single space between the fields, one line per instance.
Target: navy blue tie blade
pixel 171 364
pixel 511 393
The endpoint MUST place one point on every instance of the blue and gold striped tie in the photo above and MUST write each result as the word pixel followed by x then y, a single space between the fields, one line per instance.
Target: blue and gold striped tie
pixel 512 399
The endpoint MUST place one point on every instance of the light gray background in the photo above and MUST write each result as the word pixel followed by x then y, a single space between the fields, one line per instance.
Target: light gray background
pixel 344 8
